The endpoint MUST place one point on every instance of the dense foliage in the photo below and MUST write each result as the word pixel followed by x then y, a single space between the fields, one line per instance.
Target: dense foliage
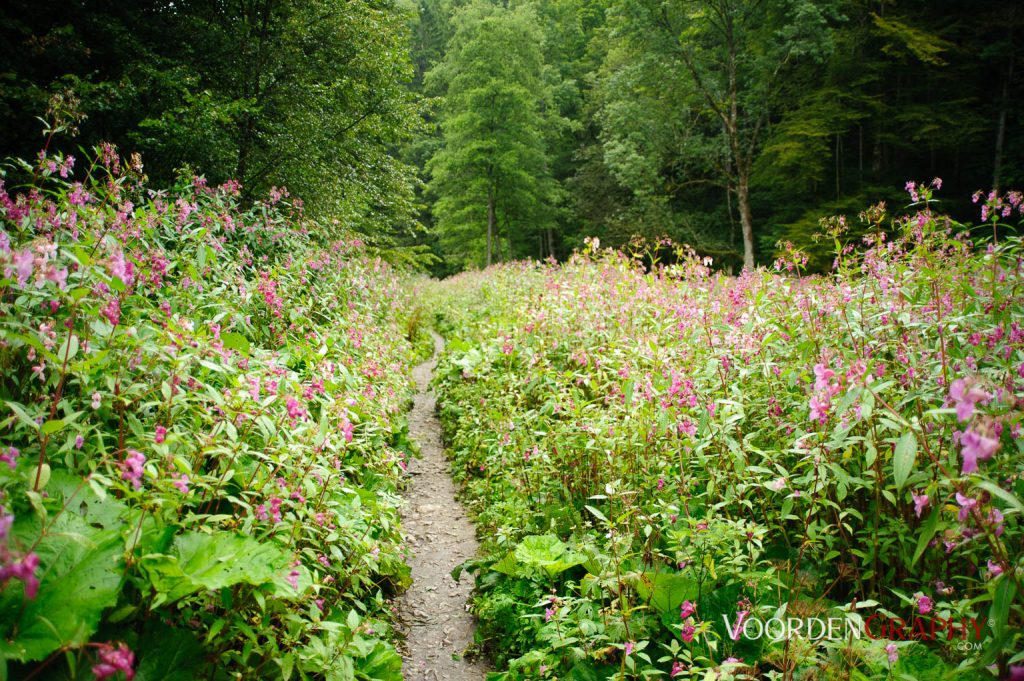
pixel 203 433
pixel 308 94
pixel 731 125
pixel 648 451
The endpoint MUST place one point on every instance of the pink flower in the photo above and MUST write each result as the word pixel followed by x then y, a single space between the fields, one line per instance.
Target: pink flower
pixel 79 441
pixel 346 430
pixel 686 609
pixel 295 410
pixel 823 377
pixel 629 648
pixel 160 434
pixel 180 480
pixel 819 410
pixel 741 617
pixel 965 398
pixel 114 660
pixel 976 446
pixel 293 579
pixel 677 669
pixel 967 504
pixel 920 503
pixel 24 569
pixel 121 268
pixel 924 604
pixel 112 311
pixel 994 569
pixel 97 399
pixel 23 261
pixel 131 468
pixel 548 614
pixel 687 633
pixel 892 654
pixel 10 457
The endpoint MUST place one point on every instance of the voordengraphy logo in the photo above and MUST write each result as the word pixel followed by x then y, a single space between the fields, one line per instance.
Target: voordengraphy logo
pixel 876 627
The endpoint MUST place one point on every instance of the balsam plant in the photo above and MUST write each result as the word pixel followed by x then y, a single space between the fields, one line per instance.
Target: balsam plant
pixel 663 458
pixel 202 432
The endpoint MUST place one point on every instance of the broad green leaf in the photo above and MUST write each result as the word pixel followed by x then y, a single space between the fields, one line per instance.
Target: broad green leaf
pixel 199 561
pixel 904 458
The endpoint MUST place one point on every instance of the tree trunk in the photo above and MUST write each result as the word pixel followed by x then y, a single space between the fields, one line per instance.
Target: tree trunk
pixel 490 224
pixel 746 219
pixel 997 164
pixel 551 242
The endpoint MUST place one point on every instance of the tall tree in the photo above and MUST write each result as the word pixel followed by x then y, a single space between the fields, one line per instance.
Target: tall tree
pixel 305 93
pixel 491 175
pixel 725 60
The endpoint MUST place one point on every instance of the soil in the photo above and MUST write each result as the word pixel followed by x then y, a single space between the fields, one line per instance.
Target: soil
pixel 433 612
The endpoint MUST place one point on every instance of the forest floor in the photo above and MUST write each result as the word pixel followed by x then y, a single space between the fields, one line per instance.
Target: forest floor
pixel 438 628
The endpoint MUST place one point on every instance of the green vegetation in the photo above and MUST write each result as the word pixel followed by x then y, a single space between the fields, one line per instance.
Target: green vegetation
pixel 682 474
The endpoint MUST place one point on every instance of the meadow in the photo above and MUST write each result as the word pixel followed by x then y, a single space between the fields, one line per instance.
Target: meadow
pixel 203 434
pixel 684 474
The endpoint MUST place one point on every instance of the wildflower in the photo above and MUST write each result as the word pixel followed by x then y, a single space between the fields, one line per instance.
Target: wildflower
pixel 295 409
pixel 114 660
pixel 79 441
pixel 994 569
pixel 293 579
pixel 966 505
pixel 741 617
pixel 10 458
pixel 160 434
pixel 995 518
pixel 687 633
pixel 778 484
pixel 629 648
pixel 180 480
pixel 823 377
pixel 819 410
pixel 24 569
pixel 112 311
pixel 965 397
pixel 677 669
pixel 23 261
pixel 976 446
pixel 920 503
pixel 548 614
pixel 122 268
pixel 686 609
pixel 346 430
pixel 131 468
pixel 892 654
pixel 924 604
pixel 96 400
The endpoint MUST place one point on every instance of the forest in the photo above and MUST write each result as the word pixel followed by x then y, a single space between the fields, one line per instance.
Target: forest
pixel 580 340
pixel 485 132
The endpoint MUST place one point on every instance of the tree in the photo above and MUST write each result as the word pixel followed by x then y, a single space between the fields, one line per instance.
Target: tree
pixel 719 65
pixel 308 94
pixel 491 174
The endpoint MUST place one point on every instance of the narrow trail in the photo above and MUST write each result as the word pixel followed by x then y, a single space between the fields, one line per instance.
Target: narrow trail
pixel 433 611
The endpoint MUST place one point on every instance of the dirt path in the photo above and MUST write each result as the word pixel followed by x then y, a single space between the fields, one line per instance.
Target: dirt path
pixel 433 611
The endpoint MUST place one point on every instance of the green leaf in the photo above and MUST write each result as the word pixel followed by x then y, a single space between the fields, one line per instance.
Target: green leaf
pixel 199 561
pixel 168 654
pixel 51 427
pixel 667 591
pixel 927 532
pixel 81 571
pixel 548 552
pixel 68 349
pixel 904 458
pixel 22 415
pixel 235 341
pixel 1012 501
